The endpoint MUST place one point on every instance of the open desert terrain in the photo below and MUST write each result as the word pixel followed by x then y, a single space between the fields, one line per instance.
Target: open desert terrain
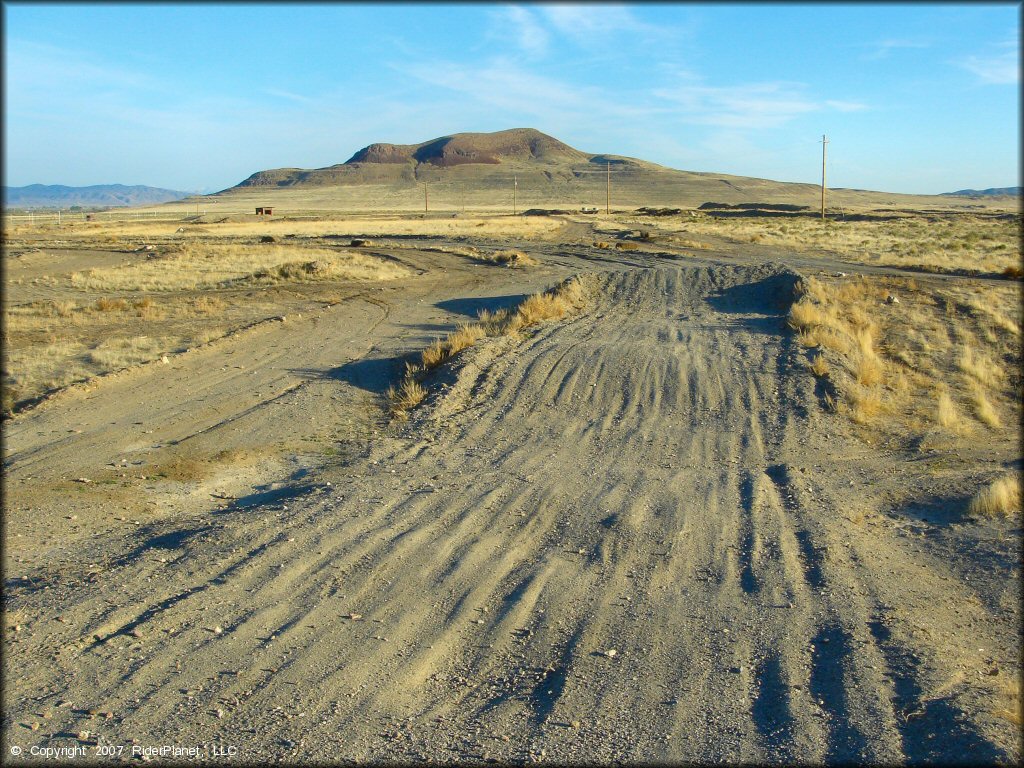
pixel 331 487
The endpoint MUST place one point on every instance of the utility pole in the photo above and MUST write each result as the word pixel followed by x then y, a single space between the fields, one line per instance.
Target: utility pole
pixel 426 198
pixel 824 144
pixel 608 188
pixel 515 188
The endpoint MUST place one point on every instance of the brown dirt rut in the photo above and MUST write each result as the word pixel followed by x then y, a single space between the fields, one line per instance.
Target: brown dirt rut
pixel 614 540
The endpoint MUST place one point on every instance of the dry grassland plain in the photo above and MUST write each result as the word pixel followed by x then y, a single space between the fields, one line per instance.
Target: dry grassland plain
pixel 607 487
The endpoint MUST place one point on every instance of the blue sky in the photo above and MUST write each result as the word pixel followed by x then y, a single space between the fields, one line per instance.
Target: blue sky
pixel 914 98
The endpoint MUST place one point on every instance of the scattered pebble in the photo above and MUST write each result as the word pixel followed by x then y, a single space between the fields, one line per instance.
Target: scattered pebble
pixel 610 652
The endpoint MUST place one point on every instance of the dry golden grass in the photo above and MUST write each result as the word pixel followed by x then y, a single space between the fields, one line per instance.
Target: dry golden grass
pixel 116 353
pixel 948 415
pixel 979 367
pixel 912 360
pixel 949 243
pixel 233 225
pixel 407 396
pixel 1008 694
pixel 819 366
pixel 199 265
pixel 1000 497
pixel 555 303
pixel 464 336
pixel 984 409
pixel 863 404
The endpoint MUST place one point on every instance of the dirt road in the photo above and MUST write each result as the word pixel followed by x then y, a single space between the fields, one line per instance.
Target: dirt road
pixel 633 536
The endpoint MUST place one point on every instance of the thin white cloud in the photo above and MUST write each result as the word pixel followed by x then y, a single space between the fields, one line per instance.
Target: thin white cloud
pixel 524 29
pixel 1001 68
pixel 31 65
pixel 502 84
pixel 752 106
pixel 881 50
pixel 595 23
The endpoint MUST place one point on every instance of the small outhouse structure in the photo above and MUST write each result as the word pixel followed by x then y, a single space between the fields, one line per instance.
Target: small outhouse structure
pixel 264 211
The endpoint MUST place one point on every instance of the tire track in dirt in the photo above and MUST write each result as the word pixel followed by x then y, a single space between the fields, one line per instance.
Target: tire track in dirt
pixel 602 543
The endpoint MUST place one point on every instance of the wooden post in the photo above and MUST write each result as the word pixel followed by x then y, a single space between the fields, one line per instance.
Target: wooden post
pixel 515 188
pixel 426 198
pixel 608 189
pixel 824 144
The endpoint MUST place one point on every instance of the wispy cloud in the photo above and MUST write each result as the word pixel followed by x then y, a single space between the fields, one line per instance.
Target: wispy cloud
pixel 882 49
pixel 523 27
pixel 31 65
pixel 593 23
pixel 750 106
pixel 1000 67
pixel 503 84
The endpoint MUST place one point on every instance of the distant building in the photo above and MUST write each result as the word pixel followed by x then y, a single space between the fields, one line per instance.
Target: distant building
pixel 264 211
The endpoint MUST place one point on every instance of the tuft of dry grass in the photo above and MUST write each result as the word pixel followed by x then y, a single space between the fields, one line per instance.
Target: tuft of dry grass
pixel 864 404
pixel 984 409
pixel 104 304
pixel 407 396
pixel 819 366
pixel 979 367
pixel 1000 497
pixel 868 367
pixel 948 415
pixel 466 335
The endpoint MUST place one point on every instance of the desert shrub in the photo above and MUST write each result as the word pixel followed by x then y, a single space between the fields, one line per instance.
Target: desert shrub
pixel 104 304
pixel 1000 497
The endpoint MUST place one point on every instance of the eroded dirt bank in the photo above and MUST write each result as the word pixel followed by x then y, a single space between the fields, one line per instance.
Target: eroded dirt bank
pixel 629 536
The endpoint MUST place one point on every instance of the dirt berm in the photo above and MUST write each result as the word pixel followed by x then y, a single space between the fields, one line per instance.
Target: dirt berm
pixel 627 537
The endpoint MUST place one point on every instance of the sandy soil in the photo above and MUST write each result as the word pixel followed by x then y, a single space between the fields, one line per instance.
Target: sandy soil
pixel 634 535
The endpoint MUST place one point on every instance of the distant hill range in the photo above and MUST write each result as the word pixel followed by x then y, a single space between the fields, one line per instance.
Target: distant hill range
pixel 990 192
pixel 487 169
pixel 96 196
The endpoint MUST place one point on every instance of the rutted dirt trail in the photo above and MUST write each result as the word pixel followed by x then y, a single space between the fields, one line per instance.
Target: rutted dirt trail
pixel 626 537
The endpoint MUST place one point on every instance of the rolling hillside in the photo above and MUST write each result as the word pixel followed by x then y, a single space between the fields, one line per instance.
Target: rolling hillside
pixel 97 195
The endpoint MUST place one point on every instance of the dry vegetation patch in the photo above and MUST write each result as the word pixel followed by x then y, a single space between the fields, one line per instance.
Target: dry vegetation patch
pixel 509 257
pixel 908 363
pixel 1001 497
pixel 939 243
pixel 567 297
pixel 199 265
